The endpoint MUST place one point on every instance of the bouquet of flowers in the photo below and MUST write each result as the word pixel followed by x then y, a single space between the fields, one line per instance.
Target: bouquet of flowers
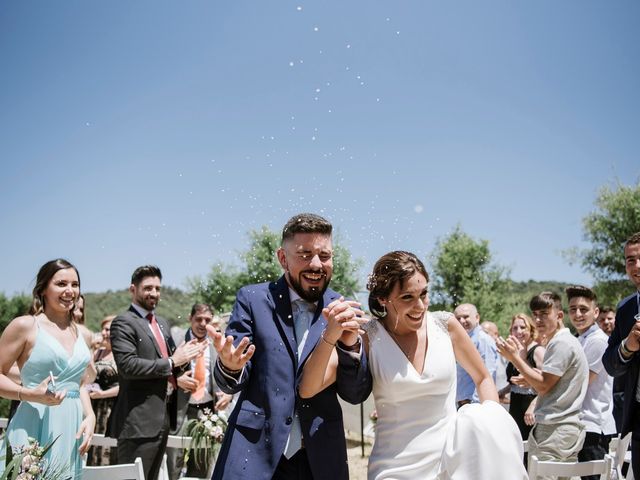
pixel 207 433
pixel 27 463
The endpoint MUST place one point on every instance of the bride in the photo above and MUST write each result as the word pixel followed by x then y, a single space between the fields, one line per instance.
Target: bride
pixel 409 363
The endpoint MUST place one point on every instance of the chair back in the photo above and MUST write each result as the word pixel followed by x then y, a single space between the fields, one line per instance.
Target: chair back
pixel 126 471
pixel 619 447
pixel 539 468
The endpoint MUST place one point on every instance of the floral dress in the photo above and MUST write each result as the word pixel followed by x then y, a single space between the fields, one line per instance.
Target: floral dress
pixel 106 378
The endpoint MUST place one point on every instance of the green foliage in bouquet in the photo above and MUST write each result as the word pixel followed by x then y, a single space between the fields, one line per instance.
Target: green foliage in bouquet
pixel 207 433
pixel 27 463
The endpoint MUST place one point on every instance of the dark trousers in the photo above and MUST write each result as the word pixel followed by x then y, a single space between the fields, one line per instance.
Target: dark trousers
pixel 635 440
pixel 294 468
pixel 150 450
pixel 595 447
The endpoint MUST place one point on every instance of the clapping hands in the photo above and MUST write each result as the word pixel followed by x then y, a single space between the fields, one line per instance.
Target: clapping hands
pixel 510 348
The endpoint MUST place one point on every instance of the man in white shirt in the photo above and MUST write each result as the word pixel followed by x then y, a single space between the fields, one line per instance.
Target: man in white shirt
pixel 198 391
pixel 597 408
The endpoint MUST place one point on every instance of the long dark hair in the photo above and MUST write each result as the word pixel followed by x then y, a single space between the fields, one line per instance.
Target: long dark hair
pixel 45 274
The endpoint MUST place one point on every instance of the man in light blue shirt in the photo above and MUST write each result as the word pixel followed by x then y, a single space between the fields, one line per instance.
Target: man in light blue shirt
pixel 468 316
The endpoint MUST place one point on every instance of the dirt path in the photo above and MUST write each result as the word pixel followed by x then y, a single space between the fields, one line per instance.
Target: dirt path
pixel 357 463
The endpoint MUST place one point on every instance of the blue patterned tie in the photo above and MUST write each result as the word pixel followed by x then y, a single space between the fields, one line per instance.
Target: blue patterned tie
pixel 302 316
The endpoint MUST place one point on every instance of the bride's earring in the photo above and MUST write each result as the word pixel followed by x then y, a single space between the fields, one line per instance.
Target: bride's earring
pixel 384 311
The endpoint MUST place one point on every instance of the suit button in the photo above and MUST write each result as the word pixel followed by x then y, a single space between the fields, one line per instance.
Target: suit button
pixel 289 420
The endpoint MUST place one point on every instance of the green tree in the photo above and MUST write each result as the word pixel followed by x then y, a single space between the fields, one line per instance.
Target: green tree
pixel 615 218
pixel 260 264
pixel 13 307
pixel 463 272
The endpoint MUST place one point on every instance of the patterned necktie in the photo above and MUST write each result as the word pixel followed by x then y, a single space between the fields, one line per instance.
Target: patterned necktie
pixel 302 315
pixel 199 375
pixel 155 328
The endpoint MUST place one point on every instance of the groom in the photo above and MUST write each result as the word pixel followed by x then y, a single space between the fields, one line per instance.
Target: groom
pixel 273 328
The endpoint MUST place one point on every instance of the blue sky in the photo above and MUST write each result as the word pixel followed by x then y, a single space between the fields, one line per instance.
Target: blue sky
pixel 162 132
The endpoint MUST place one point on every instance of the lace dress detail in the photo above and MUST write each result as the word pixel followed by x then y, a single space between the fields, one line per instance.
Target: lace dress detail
pixel 441 319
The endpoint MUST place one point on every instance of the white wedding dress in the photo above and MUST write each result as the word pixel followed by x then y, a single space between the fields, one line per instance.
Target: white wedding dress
pixel 419 433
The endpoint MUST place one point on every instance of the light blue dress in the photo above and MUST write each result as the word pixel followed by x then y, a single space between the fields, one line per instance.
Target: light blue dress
pixel 45 423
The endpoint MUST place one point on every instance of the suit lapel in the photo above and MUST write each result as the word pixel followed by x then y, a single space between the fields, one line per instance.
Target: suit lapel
pixel 144 325
pixel 284 318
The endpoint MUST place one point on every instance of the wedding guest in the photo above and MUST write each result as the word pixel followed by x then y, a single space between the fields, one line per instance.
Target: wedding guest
pixel 468 316
pixel 621 359
pixel 52 354
pixel 606 322
pixel 523 330
pixel 597 406
pixel 148 363
pixel 103 394
pixel 198 393
pixel 561 385
pixel 78 311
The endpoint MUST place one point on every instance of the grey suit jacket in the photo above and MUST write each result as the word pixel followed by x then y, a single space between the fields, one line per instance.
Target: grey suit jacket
pixel 143 376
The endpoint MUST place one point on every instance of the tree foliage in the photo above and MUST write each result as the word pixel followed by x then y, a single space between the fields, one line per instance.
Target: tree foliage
pixel 615 218
pixel 463 272
pixel 260 264
pixel 13 307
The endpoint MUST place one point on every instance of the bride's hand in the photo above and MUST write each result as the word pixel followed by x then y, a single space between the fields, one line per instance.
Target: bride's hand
pixel 342 316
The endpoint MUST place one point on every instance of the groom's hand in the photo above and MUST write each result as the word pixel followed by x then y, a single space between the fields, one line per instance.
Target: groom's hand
pixel 232 358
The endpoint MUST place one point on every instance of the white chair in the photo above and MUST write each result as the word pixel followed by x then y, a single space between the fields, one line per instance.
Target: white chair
pixel 538 468
pixel 127 471
pixel 619 449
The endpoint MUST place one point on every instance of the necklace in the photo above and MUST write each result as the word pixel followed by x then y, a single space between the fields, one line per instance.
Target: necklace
pixel 402 349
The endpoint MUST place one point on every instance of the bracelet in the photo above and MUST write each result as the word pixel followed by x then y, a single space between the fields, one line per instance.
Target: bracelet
pixel 626 353
pixel 20 393
pixel 325 340
pixel 350 348
pixel 228 371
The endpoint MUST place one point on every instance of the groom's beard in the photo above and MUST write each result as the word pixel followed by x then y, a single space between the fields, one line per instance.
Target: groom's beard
pixel 311 294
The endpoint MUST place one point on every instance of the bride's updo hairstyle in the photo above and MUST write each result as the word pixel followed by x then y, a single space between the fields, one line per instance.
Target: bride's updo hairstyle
pixel 390 269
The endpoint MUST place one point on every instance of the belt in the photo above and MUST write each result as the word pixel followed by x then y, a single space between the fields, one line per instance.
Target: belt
pixel 202 406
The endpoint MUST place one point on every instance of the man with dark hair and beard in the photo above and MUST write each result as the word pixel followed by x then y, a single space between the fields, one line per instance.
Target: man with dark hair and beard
pixel 273 328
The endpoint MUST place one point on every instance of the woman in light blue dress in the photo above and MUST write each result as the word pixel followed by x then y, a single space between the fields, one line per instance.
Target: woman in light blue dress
pixel 53 356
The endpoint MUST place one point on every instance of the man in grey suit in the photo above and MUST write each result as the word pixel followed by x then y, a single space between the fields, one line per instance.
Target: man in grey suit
pixel 197 390
pixel 148 363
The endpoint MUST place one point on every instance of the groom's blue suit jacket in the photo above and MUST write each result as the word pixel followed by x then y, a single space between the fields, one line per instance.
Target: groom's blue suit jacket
pixel 260 423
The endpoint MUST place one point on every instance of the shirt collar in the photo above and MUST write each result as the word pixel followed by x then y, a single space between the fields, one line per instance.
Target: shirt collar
pixel 589 331
pixel 142 311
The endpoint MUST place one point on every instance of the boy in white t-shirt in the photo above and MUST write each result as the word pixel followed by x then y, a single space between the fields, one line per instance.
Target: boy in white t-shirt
pixel 561 385
pixel 597 407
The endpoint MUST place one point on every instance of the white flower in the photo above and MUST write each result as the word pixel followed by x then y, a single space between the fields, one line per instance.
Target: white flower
pixel 27 461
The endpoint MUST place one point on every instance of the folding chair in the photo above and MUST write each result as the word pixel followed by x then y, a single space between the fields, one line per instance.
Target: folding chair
pixel 127 471
pixel 619 448
pixel 538 468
